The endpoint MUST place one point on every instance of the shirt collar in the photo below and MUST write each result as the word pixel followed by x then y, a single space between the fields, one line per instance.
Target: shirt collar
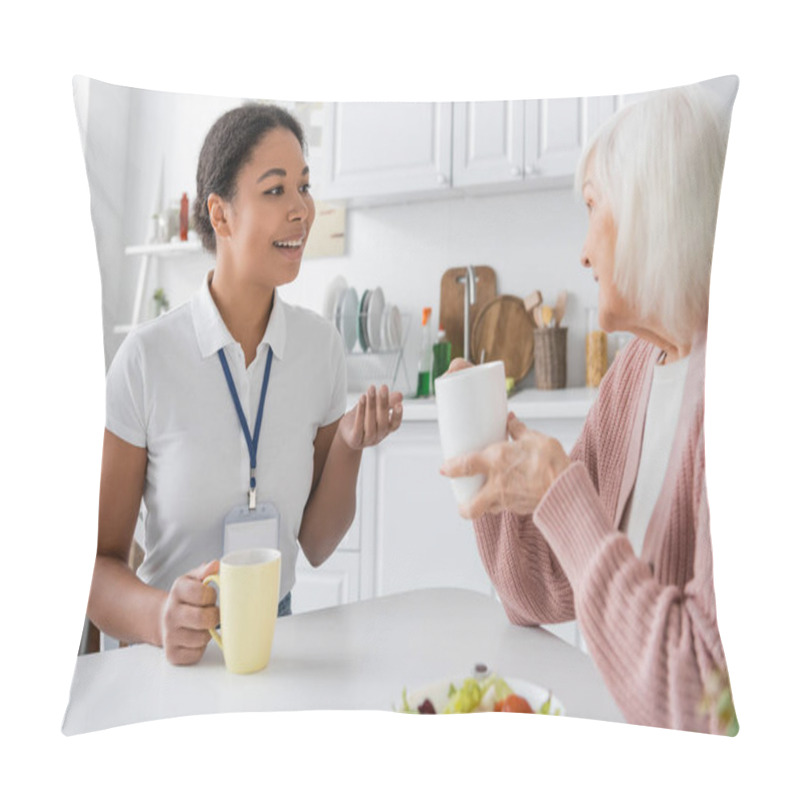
pixel 212 333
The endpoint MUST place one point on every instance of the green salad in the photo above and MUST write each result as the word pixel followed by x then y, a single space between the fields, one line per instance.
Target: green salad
pixel 491 693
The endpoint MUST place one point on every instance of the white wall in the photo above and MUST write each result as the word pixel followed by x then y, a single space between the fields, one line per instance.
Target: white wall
pixel 102 112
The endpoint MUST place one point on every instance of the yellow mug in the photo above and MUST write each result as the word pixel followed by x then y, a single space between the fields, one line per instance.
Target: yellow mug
pixel 248 585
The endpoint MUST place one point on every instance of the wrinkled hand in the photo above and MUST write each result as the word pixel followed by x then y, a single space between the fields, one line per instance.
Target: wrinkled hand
pixel 518 472
pixel 372 419
pixel 189 611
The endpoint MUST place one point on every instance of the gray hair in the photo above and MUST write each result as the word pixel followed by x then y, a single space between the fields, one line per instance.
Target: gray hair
pixel 658 164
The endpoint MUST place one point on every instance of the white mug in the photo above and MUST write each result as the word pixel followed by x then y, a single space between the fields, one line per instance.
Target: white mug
pixel 472 408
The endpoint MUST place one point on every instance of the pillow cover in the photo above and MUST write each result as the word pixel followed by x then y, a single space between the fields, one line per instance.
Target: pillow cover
pixel 391 215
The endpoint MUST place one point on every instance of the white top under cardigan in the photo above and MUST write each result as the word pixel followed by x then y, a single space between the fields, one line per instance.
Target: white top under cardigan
pixel 166 391
pixel 661 422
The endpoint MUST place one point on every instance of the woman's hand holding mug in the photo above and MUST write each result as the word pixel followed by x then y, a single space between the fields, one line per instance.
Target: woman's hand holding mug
pixel 518 472
pixel 458 363
pixel 187 615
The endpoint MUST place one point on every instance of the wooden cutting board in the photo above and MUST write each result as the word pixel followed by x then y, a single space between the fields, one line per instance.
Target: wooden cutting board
pixel 451 303
pixel 503 331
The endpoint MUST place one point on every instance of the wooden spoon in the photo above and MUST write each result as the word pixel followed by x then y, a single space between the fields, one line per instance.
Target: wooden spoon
pixel 547 316
pixel 561 307
pixel 532 300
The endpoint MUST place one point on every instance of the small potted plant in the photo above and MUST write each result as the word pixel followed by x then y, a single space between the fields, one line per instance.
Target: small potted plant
pixel 160 302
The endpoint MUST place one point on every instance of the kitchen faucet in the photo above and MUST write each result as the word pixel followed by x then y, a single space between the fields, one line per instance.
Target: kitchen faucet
pixel 469 299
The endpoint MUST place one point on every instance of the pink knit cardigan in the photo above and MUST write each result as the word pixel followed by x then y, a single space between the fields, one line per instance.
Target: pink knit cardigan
pixel 649 622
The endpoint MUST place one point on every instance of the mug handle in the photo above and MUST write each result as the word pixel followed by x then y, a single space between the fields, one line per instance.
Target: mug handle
pixel 215 580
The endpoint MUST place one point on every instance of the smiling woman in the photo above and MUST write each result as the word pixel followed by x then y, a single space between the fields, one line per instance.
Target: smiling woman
pixel 230 408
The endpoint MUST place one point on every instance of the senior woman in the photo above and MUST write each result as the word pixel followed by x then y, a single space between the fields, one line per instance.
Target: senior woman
pixel 616 535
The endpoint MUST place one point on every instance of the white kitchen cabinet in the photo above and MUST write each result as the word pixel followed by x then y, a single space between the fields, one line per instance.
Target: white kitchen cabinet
pixel 379 150
pixel 557 130
pixel 420 540
pixel 488 142
pixel 528 143
pixel 391 152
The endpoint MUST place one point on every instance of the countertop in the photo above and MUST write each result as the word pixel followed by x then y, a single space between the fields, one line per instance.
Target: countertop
pixel 571 403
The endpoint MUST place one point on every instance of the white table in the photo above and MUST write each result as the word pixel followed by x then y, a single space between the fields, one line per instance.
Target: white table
pixel 355 656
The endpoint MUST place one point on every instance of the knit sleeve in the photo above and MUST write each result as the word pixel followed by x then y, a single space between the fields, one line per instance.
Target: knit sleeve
pixel 529 580
pixel 654 643
pixel 521 565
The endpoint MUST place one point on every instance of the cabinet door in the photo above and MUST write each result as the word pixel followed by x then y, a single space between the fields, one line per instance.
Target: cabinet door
pixel 333 583
pixel 488 142
pixel 420 541
pixel 385 149
pixel 557 130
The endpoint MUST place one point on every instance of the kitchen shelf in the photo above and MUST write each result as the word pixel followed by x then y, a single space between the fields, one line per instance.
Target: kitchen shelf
pixel 164 248
pixel 149 254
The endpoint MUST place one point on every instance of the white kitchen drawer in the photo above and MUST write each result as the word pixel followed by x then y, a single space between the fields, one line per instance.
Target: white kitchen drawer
pixel 333 583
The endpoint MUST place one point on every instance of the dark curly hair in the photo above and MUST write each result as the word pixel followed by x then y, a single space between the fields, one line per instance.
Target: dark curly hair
pixel 226 149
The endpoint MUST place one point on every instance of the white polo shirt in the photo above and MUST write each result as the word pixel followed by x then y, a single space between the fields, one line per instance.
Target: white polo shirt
pixel 166 391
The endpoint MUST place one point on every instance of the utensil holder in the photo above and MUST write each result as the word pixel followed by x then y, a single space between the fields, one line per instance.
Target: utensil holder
pixel 550 357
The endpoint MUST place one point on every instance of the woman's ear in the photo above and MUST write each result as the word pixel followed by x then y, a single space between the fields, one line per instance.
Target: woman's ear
pixel 218 215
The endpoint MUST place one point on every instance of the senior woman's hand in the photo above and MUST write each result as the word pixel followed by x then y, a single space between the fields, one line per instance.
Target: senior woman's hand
pixel 518 472
pixel 458 363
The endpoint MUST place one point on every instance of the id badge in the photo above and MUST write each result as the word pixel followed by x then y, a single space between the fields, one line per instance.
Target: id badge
pixel 246 528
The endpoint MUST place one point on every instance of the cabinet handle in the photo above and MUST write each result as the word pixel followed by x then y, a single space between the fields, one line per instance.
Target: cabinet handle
pixel 530 169
pixel 516 172
pixel 441 178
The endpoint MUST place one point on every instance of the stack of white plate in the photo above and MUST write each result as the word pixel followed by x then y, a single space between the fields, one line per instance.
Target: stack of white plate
pixel 392 328
pixel 374 323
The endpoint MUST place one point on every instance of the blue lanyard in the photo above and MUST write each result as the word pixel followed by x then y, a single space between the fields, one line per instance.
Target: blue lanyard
pixel 252 441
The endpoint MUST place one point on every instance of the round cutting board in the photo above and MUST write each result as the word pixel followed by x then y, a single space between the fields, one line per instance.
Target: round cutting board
pixel 503 331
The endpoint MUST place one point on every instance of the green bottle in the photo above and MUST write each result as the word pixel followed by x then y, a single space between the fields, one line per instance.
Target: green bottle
pixel 442 354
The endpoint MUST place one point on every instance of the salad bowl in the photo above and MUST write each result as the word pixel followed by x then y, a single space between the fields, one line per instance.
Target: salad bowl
pixel 471 695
